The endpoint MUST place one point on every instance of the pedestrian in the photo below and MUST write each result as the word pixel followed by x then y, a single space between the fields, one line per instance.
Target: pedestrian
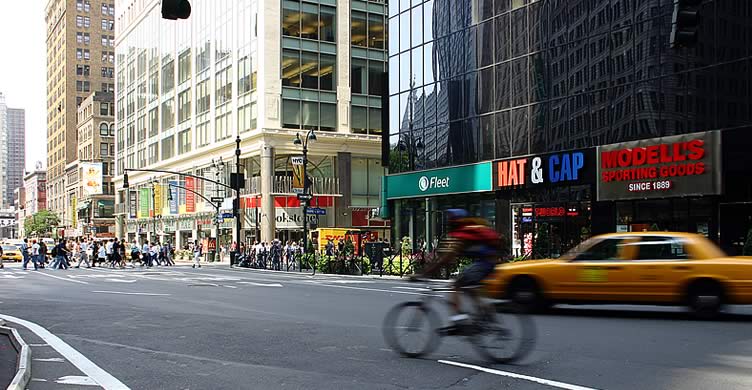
pixel 25 253
pixel 1 257
pixel 35 254
pixel 83 255
pixel 197 251
pixel 136 254
pixel 154 253
pixel 108 251
pixel 60 252
pixel 167 249
pixel 101 254
pixel 42 254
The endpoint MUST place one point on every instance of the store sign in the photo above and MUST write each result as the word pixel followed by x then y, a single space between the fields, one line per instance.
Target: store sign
pixel 297 174
pixel 444 181
pixel 573 167
pixel 679 165
pixel 292 218
pixel 185 224
pixel 132 204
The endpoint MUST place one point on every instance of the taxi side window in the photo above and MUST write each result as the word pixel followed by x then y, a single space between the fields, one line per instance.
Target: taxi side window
pixel 607 249
pixel 661 248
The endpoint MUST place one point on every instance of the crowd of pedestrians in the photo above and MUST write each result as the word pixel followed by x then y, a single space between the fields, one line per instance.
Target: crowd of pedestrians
pixel 88 252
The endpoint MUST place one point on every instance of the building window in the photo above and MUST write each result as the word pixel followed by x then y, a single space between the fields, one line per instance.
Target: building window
pixel 109 73
pixel 202 134
pixel 105 169
pixel 83 38
pixel 203 96
pixel 153 157
pixel 247 117
pixel 224 86
pixel 359 29
pixel 308 70
pixel 168 114
pixel 184 141
pixel 184 66
pixel 108 25
pixel 82 70
pixel 168 148
pixel 309 115
pixel 222 126
pixel 104 148
pixel 83 86
pixel 246 78
pixel 184 106
pixel 104 130
pixel 309 21
pixel 104 109
pixel 168 77
pixel 367 30
pixel 153 122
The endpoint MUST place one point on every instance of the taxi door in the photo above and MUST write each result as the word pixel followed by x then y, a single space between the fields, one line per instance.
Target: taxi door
pixel 600 273
pixel 662 263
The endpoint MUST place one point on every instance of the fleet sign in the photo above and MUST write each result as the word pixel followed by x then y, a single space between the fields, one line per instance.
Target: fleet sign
pixel 571 167
pixel 444 181
pixel 679 165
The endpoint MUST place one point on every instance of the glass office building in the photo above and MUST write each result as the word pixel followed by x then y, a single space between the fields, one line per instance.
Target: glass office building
pixel 504 81
pixel 262 72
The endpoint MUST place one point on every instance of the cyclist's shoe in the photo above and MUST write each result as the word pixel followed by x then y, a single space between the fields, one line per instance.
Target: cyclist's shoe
pixel 458 325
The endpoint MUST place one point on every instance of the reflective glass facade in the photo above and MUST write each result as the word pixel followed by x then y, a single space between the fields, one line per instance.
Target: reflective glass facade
pixel 473 80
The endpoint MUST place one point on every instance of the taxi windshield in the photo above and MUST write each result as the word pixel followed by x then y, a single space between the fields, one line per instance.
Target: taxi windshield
pixel 10 248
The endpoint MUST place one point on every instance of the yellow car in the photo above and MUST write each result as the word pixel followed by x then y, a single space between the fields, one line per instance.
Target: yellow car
pixel 656 268
pixel 11 253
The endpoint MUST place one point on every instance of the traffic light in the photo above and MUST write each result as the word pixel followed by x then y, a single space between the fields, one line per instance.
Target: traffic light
pixel 685 22
pixel 176 9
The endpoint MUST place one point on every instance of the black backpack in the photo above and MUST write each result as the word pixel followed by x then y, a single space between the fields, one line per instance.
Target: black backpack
pixel 54 251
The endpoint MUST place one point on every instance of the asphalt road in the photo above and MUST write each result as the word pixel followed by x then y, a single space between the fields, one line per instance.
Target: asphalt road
pixel 216 328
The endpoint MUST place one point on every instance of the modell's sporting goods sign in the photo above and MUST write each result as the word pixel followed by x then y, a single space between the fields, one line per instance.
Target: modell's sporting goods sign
pixel 679 165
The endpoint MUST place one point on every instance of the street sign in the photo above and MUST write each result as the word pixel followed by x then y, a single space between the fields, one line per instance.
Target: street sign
pixel 220 220
pixel 316 211
pixel 227 215
pixel 217 199
pixel 305 196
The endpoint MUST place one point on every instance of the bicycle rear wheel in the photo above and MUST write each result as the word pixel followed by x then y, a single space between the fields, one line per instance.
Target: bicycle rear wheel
pixel 411 329
pixel 504 338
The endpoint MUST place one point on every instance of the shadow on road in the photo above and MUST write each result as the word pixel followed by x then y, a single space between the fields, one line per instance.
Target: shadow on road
pixel 652 314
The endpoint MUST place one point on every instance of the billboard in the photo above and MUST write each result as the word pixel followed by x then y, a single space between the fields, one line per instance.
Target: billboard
pixel 91 177
pixel 158 201
pixel 680 165
pixel 190 197
pixel 143 207
pixel 133 204
pixel 173 198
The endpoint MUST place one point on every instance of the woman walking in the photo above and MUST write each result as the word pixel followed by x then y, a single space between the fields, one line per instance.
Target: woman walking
pixel 197 251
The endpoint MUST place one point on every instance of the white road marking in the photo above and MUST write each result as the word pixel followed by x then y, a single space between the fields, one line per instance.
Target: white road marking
pixel 374 289
pixel 38 380
pixel 414 288
pixel 132 293
pixel 231 286
pixel 65 279
pixel 262 284
pixel 121 280
pixel 100 376
pixel 343 281
pixel 542 381
pixel 76 380
pixel 12 277
pixel 51 360
pixel 38 345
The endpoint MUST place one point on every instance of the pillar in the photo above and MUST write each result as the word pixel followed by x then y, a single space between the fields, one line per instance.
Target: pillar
pixel 267 201
pixel 342 203
pixel 178 236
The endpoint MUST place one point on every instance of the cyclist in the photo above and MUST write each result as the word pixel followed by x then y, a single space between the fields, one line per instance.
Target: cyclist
pixel 472 238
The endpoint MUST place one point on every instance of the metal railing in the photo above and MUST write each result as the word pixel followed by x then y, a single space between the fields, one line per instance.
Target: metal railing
pixel 283 185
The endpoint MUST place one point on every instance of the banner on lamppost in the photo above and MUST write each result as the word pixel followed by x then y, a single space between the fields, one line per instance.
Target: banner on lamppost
pixel 190 197
pixel 91 177
pixel 133 206
pixel 74 212
pixel 143 207
pixel 298 180
pixel 173 197
pixel 158 202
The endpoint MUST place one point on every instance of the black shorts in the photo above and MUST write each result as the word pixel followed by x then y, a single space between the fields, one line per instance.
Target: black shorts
pixel 474 274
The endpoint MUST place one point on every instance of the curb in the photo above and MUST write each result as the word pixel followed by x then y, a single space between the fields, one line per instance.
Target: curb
pixel 307 272
pixel 23 374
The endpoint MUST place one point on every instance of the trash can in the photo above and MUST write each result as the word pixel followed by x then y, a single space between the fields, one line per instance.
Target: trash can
pixel 211 256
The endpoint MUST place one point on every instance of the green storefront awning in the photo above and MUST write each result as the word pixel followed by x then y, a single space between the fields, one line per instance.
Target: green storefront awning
pixel 442 181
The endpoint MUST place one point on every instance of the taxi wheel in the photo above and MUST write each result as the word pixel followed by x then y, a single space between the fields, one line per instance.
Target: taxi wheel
pixel 705 298
pixel 525 292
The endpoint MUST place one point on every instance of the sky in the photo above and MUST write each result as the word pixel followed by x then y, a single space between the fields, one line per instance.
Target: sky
pixel 23 67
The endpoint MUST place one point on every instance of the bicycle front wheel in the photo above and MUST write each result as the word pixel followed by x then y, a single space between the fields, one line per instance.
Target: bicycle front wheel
pixel 505 338
pixel 411 329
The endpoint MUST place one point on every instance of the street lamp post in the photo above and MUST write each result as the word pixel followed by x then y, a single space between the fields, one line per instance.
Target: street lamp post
pixel 219 167
pixel 310 136
pixel 154 206
pixel 236 204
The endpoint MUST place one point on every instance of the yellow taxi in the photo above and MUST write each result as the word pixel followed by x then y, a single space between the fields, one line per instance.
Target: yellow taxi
pixel 656 268
pixel 11 253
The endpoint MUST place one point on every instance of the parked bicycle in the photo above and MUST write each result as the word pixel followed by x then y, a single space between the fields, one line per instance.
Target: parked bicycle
pixel 414 329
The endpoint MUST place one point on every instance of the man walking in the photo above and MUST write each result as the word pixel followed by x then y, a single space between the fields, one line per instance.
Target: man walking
pixel 83 254
pixel 25 253
pixel 167 249
pixel 35 254
pixel 60 252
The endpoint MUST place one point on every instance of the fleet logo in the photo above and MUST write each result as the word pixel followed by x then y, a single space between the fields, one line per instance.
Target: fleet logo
pixel 425 183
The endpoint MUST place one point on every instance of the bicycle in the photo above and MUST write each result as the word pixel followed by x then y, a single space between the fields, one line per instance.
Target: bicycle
pixel 488 331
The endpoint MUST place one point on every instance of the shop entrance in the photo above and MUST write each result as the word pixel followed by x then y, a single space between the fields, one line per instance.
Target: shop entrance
pixel 547 230
pixel 694 215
